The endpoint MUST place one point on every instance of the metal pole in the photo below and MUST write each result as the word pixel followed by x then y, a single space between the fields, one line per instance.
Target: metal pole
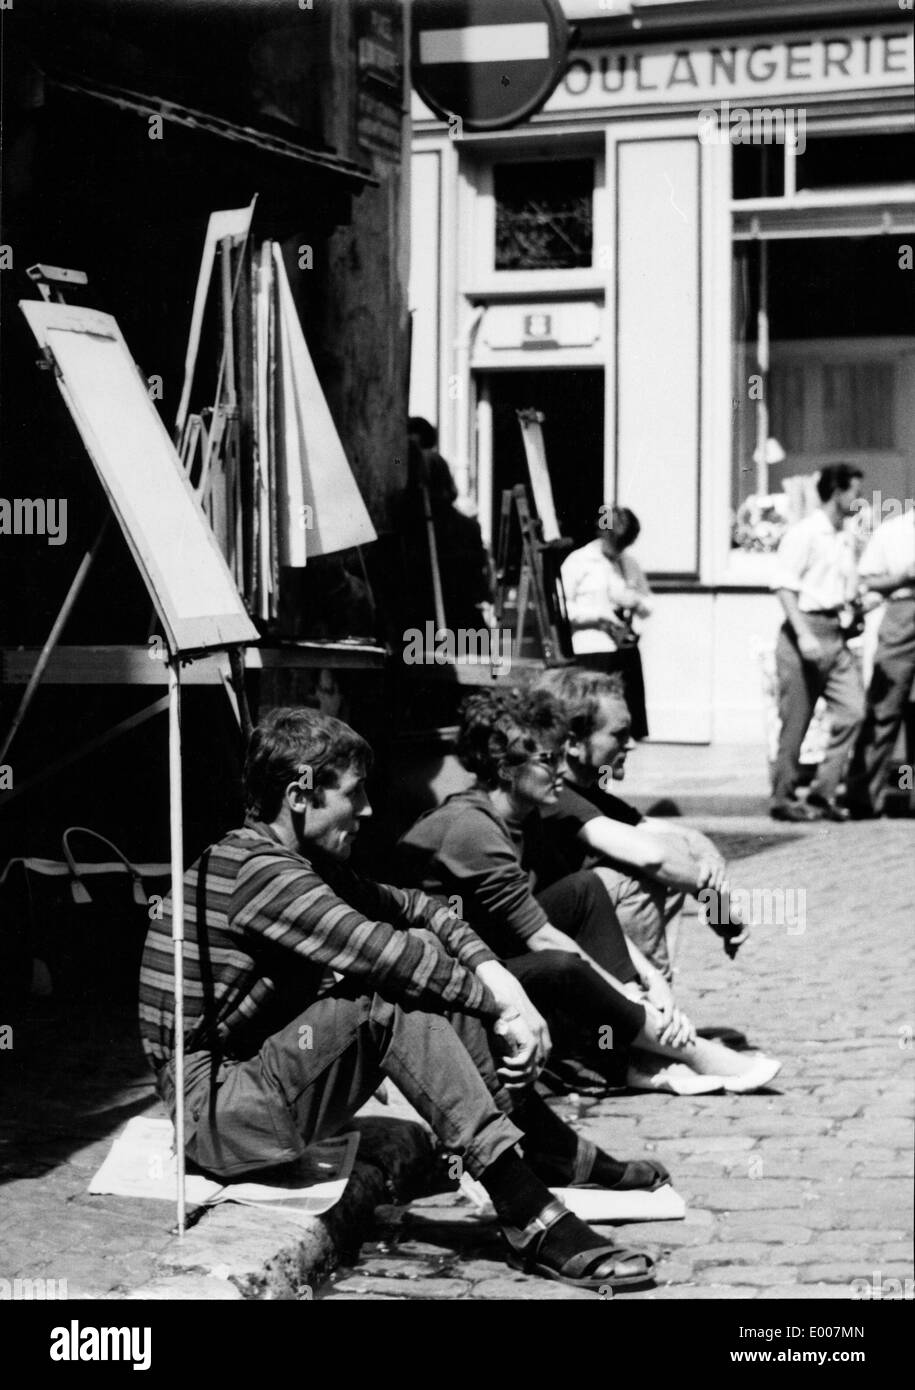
pixel 53 637
pixel 176 845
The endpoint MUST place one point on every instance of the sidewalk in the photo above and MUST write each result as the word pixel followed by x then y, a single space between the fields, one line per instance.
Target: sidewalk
pixel 791 1193
pixel 725 780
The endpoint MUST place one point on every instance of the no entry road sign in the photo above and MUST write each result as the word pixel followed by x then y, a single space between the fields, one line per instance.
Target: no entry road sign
pixel 490 63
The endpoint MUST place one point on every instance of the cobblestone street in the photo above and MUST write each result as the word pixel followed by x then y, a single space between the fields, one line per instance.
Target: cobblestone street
pixel 791 1193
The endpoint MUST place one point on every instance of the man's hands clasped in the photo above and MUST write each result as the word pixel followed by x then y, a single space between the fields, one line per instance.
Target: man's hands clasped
pixel 521 1030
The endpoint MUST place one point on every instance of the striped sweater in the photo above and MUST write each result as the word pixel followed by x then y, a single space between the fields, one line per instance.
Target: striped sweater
pixel 278 929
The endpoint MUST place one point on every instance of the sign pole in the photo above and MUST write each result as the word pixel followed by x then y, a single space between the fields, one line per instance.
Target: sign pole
pixel 176 846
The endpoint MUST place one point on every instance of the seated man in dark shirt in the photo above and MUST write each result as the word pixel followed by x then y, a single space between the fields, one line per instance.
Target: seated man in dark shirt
pixel 306 985
pixel 565 945
pixel 648 866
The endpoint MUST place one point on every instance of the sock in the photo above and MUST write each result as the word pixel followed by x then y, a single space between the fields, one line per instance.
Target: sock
pixel 516 1193
pixel 554 1144
pixel 518 1196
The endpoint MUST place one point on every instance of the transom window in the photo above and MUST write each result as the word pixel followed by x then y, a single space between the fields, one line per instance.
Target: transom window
pixel 544 214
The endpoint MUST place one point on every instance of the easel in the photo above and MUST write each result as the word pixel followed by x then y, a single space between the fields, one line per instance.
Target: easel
pixel 538 582
pixel 180 649
pixel 542 549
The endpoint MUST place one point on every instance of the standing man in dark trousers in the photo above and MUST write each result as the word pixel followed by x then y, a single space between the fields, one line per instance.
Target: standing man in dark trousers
pixel 888 568
pixel 816 581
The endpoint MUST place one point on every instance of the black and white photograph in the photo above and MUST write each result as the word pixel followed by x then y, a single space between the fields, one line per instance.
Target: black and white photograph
pixel 457 671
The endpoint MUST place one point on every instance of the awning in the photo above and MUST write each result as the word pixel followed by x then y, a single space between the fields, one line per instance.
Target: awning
pixel 265 141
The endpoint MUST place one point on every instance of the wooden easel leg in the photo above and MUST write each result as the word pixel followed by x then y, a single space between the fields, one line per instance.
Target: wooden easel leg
pixel 524 584
pixel 53 637
pixel 433 561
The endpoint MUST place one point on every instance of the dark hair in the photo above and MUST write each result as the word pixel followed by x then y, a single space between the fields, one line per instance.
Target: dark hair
pixel 426 434
pixel 287 743
pixel 579 693
pixel 836 477
pixel 507 725
pixel 623 524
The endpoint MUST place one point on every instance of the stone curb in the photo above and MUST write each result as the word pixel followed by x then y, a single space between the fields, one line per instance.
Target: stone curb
pixel 239 1252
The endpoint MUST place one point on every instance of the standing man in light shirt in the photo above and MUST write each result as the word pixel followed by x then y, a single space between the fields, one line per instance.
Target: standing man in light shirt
pixel 816 582
pixel 888 568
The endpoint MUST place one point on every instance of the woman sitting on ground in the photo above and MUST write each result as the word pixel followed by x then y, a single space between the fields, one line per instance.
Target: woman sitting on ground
pixel 566 946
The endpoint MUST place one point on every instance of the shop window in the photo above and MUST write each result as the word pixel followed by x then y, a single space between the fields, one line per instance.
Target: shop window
pixel 823 356
pixel 821 405
pixel 758 171
pixel 544 215
pixel 823 163
pixel 855 161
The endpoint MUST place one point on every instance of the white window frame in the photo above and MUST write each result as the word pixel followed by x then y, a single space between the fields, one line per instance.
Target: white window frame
pixel 855 211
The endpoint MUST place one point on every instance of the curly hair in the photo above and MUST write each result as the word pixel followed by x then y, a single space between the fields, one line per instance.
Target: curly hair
pixel 289 741
pixel 579 693
pixel 499 726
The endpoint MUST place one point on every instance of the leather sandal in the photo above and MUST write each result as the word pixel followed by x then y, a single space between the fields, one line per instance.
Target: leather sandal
pixel 603 1266
pixel 640 1174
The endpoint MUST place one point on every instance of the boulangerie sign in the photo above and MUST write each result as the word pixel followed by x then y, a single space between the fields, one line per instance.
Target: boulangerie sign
pixel 764 67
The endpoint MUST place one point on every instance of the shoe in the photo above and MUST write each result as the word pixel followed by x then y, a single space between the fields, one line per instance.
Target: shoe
pixel 794 811
pixel 606 1266
pixel 675 1077
pixel 829 810
pixel 763 1070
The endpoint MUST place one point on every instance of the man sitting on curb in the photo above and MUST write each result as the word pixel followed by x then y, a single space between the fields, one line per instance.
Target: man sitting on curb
pixel 648 866
pixel 306 985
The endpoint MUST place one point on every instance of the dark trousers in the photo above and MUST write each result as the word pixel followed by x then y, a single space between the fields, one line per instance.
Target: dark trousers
pixel 888 694
pixel 580 906
pixel 308 1080
pixel 800 684
pixel 586 1016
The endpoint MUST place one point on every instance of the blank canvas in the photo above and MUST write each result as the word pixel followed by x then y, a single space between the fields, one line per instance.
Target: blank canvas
pixel 177 554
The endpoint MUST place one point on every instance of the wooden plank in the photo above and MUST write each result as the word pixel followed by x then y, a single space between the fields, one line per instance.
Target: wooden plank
pixel 132 665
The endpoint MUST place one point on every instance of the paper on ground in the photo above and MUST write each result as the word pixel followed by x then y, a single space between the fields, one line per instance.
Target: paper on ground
pixel 142 1163
pixel 597 1204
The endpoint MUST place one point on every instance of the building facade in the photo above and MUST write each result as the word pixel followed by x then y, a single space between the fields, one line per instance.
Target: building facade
pixel 696 261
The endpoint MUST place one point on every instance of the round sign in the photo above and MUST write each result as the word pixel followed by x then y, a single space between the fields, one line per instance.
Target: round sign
pixel 488 63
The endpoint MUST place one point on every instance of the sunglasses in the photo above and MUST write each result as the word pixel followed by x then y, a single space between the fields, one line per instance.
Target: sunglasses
pixel 545 758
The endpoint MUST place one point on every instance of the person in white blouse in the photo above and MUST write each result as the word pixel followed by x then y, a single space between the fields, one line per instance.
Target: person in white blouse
pixel 606 595
pixel 817 584
pixel 887 568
